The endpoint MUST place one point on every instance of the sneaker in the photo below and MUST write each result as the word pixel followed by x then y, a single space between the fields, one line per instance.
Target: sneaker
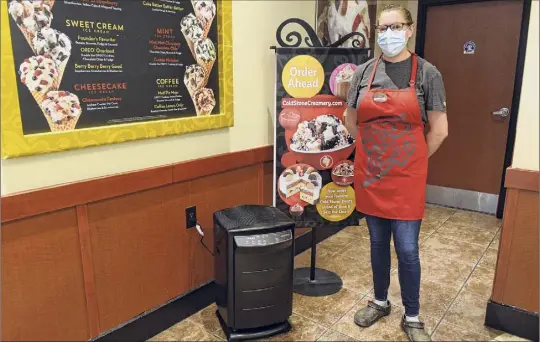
pixel 415 330
pixel 367 316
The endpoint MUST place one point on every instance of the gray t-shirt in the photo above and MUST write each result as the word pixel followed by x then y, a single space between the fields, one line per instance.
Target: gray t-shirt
pixel 429 84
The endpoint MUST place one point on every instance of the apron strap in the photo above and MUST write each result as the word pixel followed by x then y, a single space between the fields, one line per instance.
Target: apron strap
pixel 372 77
pixel 412 81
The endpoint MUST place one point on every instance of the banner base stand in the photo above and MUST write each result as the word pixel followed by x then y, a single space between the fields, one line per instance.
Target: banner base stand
pixel 325 283
pixel 315 282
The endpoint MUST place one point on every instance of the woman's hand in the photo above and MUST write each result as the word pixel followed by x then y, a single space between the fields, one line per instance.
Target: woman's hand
pixel 438 130
pixel 351 121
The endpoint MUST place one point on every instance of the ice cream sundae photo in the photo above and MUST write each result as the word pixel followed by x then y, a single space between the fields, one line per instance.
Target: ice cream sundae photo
pixel 325 133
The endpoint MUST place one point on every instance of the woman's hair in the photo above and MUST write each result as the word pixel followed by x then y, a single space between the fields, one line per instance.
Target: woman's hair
pixel 400 8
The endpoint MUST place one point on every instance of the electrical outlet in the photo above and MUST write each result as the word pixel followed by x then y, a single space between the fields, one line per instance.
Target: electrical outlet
pixel 191 217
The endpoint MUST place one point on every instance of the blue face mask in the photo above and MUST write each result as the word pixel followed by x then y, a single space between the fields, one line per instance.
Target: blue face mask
pixel 392 42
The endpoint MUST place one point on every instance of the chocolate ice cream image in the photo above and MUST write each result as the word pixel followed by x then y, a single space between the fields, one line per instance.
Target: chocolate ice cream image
pixel 204 101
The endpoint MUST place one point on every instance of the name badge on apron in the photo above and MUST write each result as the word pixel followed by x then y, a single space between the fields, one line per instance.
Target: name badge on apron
pixel 380 97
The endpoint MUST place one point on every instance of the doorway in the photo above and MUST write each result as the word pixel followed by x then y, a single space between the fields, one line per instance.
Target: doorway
pixel 479 48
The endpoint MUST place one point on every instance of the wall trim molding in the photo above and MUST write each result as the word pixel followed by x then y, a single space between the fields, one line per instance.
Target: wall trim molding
pixel 25 204
pixel 522 179
pixel 512 320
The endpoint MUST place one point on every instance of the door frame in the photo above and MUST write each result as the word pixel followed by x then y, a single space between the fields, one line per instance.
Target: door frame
pixel 423 6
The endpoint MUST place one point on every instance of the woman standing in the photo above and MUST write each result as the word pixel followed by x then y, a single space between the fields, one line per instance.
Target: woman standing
pixel 390 101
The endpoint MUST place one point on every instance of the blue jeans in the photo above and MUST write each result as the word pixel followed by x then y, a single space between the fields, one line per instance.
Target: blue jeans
pixel 406 244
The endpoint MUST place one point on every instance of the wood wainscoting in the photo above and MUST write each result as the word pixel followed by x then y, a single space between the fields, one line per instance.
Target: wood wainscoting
pixel 516 276
pixel 82 258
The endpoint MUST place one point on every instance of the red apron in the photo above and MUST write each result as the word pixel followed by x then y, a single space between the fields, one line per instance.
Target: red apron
pixel 391 152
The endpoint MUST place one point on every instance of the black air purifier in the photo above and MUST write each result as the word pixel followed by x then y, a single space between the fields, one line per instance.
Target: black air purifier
pixel 254 256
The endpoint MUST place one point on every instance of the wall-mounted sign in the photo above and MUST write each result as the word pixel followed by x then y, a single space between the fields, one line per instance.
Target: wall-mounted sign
pixel 83 72
pixel 469 48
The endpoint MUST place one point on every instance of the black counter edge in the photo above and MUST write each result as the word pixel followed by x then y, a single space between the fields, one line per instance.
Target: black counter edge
pixel 512 320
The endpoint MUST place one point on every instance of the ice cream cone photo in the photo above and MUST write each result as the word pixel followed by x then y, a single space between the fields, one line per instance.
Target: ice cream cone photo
pixel 194 78
pixel 48 2
pixel 205 10
pixel 192 30
pixel 204 101
pixel 56 45
pixel 40 75
pixel 30 17
pixel 205 54
pixel 62 110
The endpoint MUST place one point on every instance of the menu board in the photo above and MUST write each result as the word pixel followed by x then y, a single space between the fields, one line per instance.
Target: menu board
pixel 314 168
pixel 98 63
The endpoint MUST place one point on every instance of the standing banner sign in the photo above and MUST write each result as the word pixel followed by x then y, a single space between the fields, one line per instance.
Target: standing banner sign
pixel 314 167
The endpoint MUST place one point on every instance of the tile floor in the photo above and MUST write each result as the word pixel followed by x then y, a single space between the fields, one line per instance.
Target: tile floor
pixel 458 252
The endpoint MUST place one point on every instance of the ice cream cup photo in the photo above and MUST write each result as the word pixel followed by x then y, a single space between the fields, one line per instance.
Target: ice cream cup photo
pixel 340 80
pixel 296 210
pixel 289 118
pixel 343 173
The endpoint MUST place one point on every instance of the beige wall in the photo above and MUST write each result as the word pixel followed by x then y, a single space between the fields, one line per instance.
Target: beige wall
pixel 254 27
pixel 526 148
pixel 253 91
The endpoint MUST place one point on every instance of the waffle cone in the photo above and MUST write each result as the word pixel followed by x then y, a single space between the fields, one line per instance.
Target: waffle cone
pixel 61 68
pixel 206 26
pixel 207 68
pixel 200 111
pixel 39 97
pixel 62 126
pixel 191 45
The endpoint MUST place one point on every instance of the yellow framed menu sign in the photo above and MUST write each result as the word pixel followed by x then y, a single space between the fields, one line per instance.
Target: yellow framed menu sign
pixel 79 73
